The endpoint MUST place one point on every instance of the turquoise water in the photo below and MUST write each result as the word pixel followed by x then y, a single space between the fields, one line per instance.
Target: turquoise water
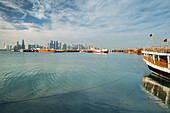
pixel 74 83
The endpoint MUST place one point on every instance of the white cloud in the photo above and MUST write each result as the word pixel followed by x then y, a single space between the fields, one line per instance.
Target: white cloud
pixel 91 19
pixel 16 8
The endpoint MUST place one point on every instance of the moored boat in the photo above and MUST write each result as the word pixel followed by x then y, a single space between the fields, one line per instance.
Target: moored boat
pixel 47 51
pixel 102 51
pixel 158 63
pixel 87 51
pixel 158 60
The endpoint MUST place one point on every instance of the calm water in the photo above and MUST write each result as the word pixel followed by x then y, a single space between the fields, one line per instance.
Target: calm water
pixel 74 83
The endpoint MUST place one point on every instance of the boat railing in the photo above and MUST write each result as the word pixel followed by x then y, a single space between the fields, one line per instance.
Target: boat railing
pixel 162 49
pixel 158 63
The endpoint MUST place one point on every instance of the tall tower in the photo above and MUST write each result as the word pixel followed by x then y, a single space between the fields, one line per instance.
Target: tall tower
pixel 17 43
pixel 17 48
pixel 51 44
pixel 56 44
pixel 64 46
pixel 59 45
pixel 23 45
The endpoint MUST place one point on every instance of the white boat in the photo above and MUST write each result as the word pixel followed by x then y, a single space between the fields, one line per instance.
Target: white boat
pixel 101 51
pixel 158 58
pixel 158 63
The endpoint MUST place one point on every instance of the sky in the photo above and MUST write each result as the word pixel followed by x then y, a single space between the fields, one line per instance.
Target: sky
pixel 113 24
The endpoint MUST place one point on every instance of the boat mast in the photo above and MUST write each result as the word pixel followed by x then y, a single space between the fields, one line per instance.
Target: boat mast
pixel 153 40
pixel 160 43
pixel 168 45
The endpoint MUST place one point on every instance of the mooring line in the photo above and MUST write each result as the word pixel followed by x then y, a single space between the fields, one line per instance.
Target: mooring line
pixel 24 100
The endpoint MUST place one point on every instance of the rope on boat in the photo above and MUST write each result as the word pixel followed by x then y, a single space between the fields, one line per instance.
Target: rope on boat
pixel 24 100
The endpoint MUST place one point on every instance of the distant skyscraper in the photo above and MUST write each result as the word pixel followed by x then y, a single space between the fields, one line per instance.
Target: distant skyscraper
pixel 64 46
pixel 85 46
pixel 17 47
pixel 56 44
pixel 76 47
pixel 34 46
pixel 8 46
pixel 23 45
pixel 72 46
pixel 48 46
pixel 17 43
pixel 79 47
pixel 68 47
pixel 51 44
pixel 59 45
pixel 88 47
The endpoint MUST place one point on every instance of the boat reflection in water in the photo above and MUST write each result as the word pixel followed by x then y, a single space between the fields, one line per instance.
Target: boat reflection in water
pixel 157 89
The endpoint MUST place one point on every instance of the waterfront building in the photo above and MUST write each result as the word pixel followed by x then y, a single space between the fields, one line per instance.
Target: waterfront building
pixel 68 47
pixel 8 46
pixel 17 43
pixel 82 46
pixel 48 46
pixel 64 46
pixel 88 47
pixel 17 47
pixel 51 44
pixel 59 45
pixel 34 46
pixel 56 44
pixel 23 45
pixel 72 46
pixel 76 47
pixel 85 46
pixel 45 47
pixel 79 47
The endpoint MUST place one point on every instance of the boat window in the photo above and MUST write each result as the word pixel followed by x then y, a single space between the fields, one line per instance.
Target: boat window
pixel 156 57
pixel 163 59
pixel 150 56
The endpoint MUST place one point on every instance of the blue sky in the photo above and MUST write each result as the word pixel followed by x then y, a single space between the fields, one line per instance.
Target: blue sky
pixel 104 23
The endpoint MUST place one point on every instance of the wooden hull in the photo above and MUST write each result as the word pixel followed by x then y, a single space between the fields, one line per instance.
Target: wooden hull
pixel 160 73
pixel 46 51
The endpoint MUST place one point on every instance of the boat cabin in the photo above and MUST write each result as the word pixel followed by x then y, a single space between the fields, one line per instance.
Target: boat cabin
pixel 160 59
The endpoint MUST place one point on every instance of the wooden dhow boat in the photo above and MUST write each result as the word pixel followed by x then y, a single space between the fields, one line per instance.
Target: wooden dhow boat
pixel 46 51
pixel 158 60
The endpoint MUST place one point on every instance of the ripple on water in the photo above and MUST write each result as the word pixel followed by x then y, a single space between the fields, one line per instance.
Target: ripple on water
pixel 32 81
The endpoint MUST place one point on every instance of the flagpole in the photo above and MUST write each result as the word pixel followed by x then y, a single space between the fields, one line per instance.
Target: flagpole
pixel 168 45
pixel 160 46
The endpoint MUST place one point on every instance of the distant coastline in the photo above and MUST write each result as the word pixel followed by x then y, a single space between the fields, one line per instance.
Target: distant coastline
pixel 137 51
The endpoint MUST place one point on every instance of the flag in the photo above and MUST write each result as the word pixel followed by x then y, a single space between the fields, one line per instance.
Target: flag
pixel 166 40
pixel 151 35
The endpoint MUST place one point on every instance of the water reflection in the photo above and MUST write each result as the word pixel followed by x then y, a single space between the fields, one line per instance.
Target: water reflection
pixel 157 89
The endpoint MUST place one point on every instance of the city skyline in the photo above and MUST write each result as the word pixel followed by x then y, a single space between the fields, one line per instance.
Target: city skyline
pixel 49 45
pixel 109 24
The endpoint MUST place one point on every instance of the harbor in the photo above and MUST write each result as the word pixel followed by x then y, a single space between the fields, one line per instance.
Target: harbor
pixel 84 56
pixel 50 81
